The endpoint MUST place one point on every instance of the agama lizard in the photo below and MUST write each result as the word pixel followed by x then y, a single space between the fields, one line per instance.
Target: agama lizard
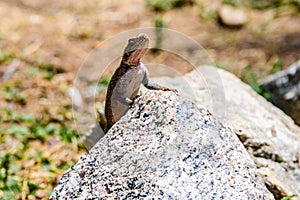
pixel 125 82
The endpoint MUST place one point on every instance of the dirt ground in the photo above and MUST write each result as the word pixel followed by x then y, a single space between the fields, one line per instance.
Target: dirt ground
pixel 62 33
pixel 48 40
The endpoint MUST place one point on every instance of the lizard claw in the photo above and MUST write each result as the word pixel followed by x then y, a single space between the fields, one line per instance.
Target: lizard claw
pixel 137 96
pixel 129 101
pixel 172 90
pixel 130 104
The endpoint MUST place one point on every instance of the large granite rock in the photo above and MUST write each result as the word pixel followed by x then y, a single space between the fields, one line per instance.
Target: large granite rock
pixel 165 147
pixel 270 136
pixel 284 88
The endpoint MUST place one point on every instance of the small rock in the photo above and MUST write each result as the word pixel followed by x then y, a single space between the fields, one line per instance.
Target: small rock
pixel 76 97
pixel 231 16
pixel 284 87
pixel 11 70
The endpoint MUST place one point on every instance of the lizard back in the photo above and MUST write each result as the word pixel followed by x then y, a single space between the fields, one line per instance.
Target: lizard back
pixel 120 71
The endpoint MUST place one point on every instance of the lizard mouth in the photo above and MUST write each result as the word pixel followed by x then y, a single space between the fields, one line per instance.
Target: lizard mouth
pixel 138 54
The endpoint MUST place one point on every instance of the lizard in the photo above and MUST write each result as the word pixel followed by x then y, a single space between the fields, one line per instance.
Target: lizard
pixel 127 79
pixel 123 88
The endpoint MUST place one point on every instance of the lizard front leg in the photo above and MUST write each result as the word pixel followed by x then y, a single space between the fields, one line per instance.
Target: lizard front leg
pixel 154 86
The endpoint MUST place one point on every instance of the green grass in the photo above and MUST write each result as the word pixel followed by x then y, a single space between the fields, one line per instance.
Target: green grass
pixel 11 92
pixel 165 5
pixel 159 24
pixel 8 182
pixel 49 70
pixel 25 126
pixel 277 66
pixel 20 130
pixel 159 5
pixel 222 66
pixel 251 76
pixel 181 3
pixel 230 2
pixel 271 4
pixel 289 197
pixel 12 180
pixel 207 13
pixel 103 83
pixel 5 57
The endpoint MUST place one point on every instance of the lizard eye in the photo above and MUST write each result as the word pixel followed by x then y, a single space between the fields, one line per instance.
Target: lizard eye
pixel 131 40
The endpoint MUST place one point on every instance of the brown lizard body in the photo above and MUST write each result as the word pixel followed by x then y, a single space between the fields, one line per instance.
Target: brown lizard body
pixel 126 81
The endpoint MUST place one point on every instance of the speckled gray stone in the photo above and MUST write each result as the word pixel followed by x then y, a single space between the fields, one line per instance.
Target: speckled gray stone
pixel 284 87
pixel 270 136
pixel 165 147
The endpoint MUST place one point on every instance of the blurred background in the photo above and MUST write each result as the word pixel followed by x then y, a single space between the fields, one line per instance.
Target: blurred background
pixel 44 42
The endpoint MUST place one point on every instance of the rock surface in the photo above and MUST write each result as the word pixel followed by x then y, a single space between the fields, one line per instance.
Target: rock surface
pixel 231 16
pixel 284 88
pixel 165 147
pixel 269 135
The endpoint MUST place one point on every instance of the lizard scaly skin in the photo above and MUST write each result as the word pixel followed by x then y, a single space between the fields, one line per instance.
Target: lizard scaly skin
pixel 125 82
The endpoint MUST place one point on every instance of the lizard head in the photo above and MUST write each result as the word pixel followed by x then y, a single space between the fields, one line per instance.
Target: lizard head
pixel 135 49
